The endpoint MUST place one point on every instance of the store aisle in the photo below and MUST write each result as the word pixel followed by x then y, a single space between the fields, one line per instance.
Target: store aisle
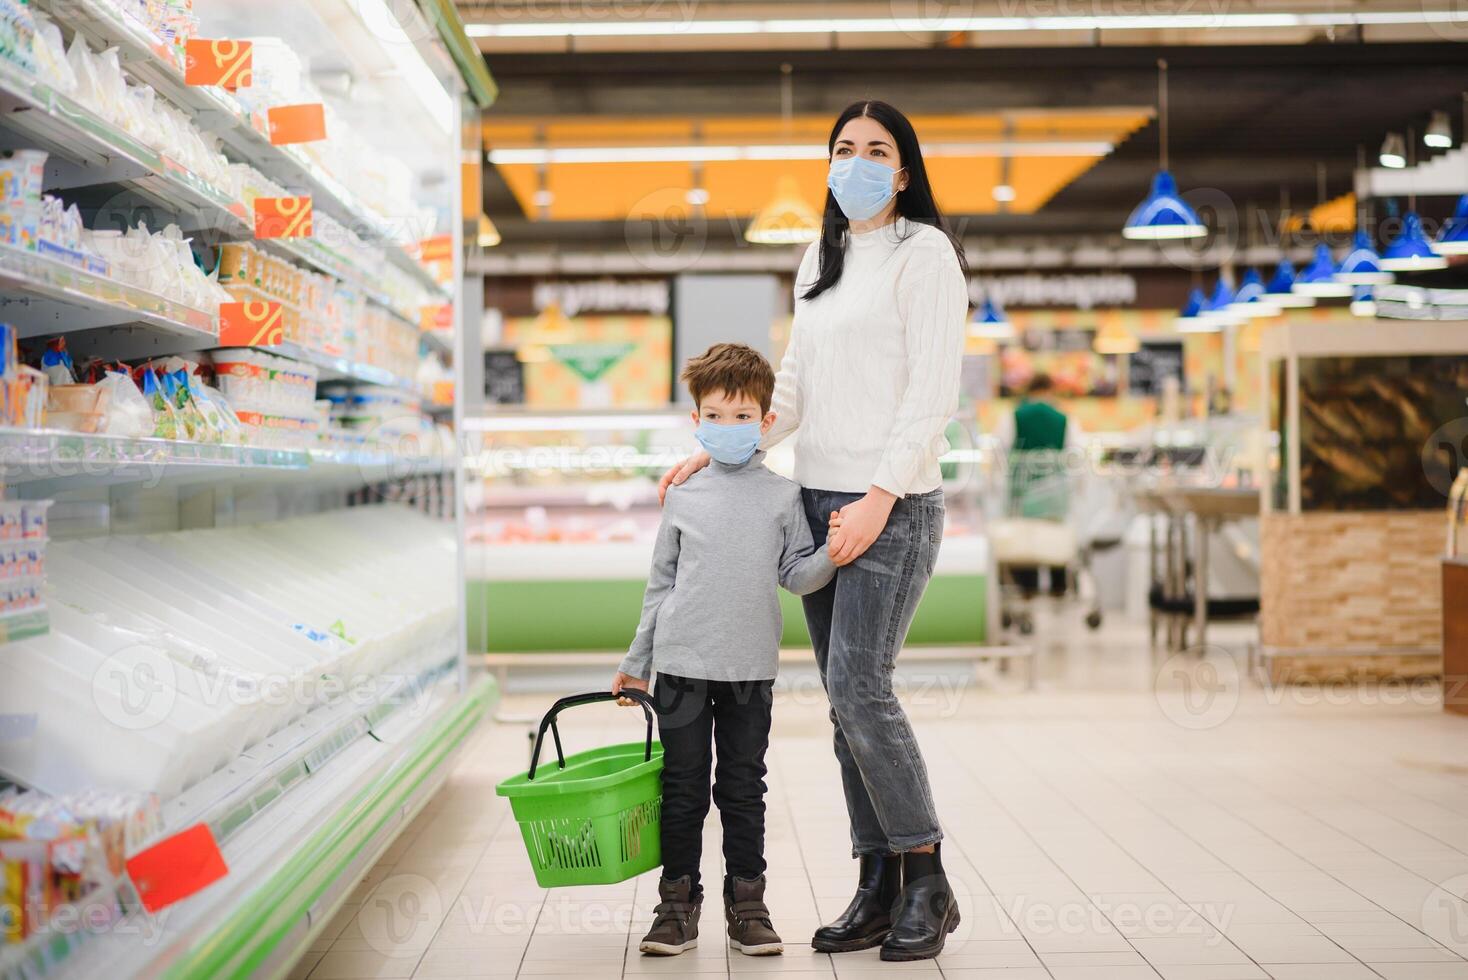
pixel 1190 835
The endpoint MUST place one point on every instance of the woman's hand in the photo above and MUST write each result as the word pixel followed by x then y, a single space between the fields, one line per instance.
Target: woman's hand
pixel 678 474
pixel 623 682
pixel 859 524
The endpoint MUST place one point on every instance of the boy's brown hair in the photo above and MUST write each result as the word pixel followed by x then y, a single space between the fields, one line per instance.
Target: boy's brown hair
pixel 733 369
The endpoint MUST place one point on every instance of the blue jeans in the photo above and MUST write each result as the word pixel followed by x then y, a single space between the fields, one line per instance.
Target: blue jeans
pixel 858 624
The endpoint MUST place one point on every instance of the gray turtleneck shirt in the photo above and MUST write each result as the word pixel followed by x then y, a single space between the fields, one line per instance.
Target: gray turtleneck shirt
pixel 730 536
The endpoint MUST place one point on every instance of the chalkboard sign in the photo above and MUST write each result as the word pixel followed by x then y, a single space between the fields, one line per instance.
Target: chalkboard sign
pixel 504 377
pixel 1152 364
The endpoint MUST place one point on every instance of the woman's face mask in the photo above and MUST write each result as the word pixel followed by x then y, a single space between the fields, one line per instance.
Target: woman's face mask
pixel 862 187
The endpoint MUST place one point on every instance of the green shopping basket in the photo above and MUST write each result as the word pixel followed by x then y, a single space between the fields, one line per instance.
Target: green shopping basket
pixel 596 820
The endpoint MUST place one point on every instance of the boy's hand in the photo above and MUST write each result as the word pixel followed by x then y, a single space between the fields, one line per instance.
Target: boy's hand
pixel 836 521
pixel 621 681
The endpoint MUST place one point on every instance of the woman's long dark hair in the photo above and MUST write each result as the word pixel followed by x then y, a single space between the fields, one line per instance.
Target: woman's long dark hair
pixel 916 203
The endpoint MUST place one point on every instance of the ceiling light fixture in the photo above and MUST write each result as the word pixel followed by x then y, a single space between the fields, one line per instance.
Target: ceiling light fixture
pixel 1163 215
pixel 1411 251
pixel 1453 238
pixel 787 219
pixel 1281 289
pixel 990 322
pixel 958 25
pixel 1439 134
pixel 1318 278
pixel 1003 193
pixel 711 153
pixel 1362 264
pixel 1393 151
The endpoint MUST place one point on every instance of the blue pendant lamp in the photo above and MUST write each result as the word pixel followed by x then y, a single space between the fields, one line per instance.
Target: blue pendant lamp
pixel 1318 278
pixel 1163 215
pixel 1216 310
pixel 1250 299
pixel 1363 302
pixel 1281 289
pixel 1190 319
pixel 990 322
pixel 1411 251
pixel 1453 239
pixel 1362 266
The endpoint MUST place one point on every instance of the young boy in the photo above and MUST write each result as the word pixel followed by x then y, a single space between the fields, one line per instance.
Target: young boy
pixel 711 627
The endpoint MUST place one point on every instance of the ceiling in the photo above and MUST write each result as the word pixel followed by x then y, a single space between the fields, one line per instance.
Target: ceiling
pixel 1253 126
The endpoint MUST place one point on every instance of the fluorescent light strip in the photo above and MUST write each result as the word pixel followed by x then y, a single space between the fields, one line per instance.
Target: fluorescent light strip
pixel 414 71
pixel 537 156
pixel 573 423
pixel 944 25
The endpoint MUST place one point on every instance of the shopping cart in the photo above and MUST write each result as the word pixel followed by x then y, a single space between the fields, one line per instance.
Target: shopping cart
pixel 1054 518
pixel 596 819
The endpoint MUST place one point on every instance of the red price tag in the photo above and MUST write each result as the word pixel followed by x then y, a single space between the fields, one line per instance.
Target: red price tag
pixel 176 868
pixel 297 123
pixel 250 324
pixel 228 64
pixel 283 217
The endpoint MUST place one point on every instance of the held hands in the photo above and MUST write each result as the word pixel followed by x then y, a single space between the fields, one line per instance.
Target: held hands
pixel 681 472
pixel 856 526
pixel 621 681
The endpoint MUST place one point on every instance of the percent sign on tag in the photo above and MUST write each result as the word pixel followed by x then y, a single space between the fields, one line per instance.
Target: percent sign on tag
pixel 283 217
pixel 250 324
pixel 228 64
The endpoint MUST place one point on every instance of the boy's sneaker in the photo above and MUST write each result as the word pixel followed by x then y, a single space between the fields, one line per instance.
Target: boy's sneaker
pixel 675 923
pixel 748 917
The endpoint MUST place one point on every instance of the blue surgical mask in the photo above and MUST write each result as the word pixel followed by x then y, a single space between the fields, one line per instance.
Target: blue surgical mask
pixel 729 444
pixel 861 186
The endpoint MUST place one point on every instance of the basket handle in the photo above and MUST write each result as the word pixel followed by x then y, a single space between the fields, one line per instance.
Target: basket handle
pixel 549 721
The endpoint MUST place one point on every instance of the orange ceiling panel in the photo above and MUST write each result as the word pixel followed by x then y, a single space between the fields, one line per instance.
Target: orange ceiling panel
pixel 964 182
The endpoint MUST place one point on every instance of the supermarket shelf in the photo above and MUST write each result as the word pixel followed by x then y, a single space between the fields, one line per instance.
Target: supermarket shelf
pixel 335 368
pixel 89 151
pixel 41 463
pixel 370 467
pixel 42 295
pixel 22 625
pixel 306 818
pixel 148 60
pixel 438 341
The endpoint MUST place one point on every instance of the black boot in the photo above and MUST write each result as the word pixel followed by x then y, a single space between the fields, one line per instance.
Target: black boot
pixel 868 918
pixel 925 913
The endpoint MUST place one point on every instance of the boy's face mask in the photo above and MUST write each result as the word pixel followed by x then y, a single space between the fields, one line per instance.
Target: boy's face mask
pixel 729 444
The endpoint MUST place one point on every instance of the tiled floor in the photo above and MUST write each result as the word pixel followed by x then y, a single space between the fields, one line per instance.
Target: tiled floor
pixel 1133 819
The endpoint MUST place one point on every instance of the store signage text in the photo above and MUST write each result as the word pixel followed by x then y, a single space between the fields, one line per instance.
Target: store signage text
pixel 603 296
pixel 1081 292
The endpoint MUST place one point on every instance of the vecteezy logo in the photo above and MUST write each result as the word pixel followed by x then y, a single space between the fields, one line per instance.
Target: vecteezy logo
pixel 1444 453
pixel 665 233
pixel 1198 693
pixel 1445 912
pixel 135 688
pixel 401 915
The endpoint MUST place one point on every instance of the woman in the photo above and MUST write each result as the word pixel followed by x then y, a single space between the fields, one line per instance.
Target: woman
pixel 870 380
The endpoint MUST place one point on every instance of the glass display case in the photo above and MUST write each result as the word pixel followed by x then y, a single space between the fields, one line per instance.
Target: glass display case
pixel 563 512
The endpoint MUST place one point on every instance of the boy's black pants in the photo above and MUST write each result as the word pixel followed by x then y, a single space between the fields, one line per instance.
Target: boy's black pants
pixel 700 721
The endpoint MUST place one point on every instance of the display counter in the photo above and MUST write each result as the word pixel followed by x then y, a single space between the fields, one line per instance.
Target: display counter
pixel 1352 526
pixel 572 597
pixel 561 535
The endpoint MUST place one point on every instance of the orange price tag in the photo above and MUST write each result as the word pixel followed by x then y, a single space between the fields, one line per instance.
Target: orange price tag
pixel 436 317
pixel 283 217
pixel 228 64
pixel 250 324
pixel 297 123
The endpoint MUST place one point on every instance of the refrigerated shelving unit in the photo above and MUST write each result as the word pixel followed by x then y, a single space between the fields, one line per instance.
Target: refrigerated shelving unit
pixel 303 813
